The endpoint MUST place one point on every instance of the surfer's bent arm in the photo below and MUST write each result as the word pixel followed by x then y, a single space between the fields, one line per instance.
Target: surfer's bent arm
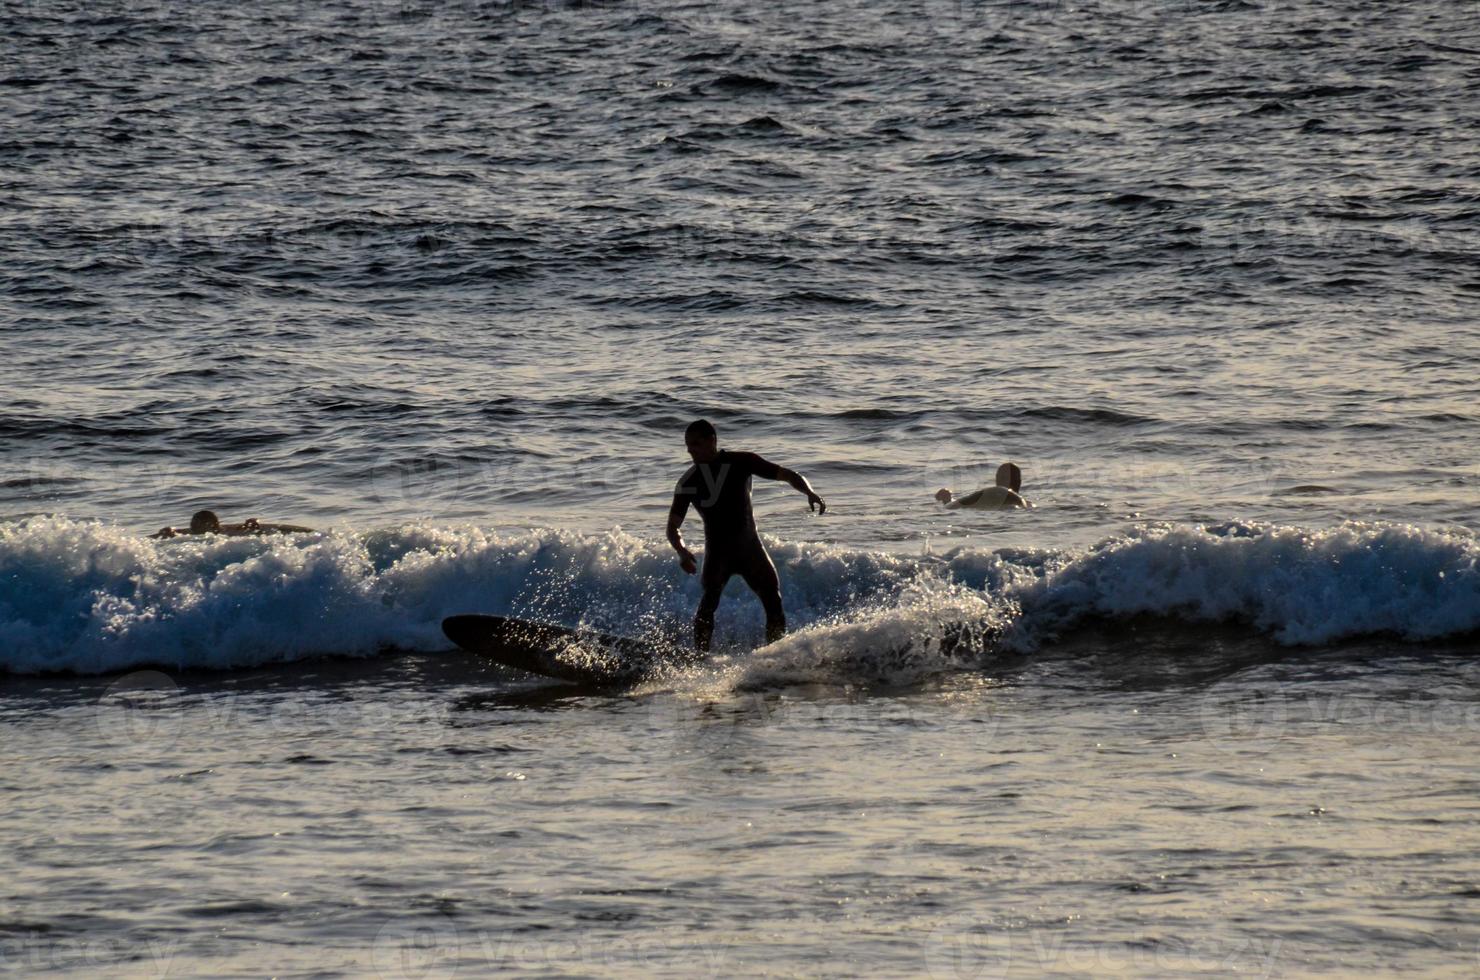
pixel 676 515
pixel 771 471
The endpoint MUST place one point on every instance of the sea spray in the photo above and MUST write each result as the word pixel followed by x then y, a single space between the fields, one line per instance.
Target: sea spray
pixel 932 626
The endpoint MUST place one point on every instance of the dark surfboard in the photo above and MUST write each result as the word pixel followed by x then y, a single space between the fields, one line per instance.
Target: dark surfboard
pixel 553 651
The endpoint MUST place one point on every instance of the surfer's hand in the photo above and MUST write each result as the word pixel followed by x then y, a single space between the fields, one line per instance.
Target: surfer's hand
pixel 688 562
pixel 165 532
pixel 816 503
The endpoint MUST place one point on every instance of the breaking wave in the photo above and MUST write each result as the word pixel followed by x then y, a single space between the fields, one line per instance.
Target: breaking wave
pixel 88 597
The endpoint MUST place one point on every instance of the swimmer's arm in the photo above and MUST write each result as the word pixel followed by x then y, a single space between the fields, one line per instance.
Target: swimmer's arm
pixel 676 514
pixel 249 526
pixel 970 500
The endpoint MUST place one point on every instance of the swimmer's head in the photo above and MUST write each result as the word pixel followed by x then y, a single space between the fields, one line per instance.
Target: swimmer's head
pixel 204 522
pixel 701 440
pixel 943 495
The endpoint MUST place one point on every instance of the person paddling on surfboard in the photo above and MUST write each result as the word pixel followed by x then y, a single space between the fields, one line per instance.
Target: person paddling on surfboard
pixel 1001 497
pixel 206 522
pixel 718 484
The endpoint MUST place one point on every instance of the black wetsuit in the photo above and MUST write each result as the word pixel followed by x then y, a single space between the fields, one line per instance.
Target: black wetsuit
pixel 720 490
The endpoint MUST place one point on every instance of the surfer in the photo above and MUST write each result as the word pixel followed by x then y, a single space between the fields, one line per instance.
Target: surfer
pixel 1001 497
pixel 718 484
pixel 206 522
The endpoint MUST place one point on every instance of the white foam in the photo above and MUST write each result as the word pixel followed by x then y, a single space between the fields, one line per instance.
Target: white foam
pixel 89 597
pixel 1301 586
pixel 930 628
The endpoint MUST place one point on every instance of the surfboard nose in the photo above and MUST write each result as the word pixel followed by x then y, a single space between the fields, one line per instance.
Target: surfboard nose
pixel 469 631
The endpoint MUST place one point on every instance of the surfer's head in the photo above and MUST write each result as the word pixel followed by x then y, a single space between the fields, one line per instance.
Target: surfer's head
pixel 943 495
pixel 204 522
pixel 1009 476
pixel 702 441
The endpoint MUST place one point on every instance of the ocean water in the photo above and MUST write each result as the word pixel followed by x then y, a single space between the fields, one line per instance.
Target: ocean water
pixel 445 281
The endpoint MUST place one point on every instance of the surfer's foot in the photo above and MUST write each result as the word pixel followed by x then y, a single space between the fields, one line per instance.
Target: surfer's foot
pixel 775 629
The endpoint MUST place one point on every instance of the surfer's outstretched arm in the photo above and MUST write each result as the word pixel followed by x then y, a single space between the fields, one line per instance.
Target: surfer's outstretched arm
pixel 801 485
pixel 676 514
pixel 761 466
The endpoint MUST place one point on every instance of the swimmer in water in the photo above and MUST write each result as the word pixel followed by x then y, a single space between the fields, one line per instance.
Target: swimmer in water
pixel 718 485
pixel 1003 496
pixel 206 522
